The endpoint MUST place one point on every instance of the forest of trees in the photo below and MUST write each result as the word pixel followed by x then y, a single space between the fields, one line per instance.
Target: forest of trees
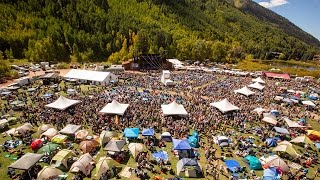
pixel 115 30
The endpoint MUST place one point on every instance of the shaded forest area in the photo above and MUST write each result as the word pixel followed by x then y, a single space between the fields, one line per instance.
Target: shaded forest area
pixel 115 30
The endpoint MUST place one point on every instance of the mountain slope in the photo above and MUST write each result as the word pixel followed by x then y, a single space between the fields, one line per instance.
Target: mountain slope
pixel 116 30
pixel 266 15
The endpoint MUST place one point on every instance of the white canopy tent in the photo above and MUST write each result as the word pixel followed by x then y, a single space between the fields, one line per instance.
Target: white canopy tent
pixel 97 77
pixel 245 91
pixel 224 106
pixel 115 108
pixel 309 103
pixel 62 103
pixel 256 85
pixel 259 80
pixel 173 109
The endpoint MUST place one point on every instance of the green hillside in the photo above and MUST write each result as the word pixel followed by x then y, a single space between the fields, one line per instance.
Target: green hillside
pixel 90 30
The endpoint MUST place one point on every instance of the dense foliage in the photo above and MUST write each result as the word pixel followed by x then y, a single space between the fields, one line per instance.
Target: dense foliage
pixel 85 30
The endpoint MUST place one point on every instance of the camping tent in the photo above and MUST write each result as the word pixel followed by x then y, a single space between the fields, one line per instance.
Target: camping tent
pixel 232 164
pixel 49 173
pixel 179 144
pixel 309 103
pixel 253 162
pixel 50 133
pixel 115 108
pixel 313 135
pixel 286 148
pixel 59 138
pixel 224 106
pixel 84 164
pixel 106 136
pixel 191 167
pixel 272 142
pixel 70 129
pixel 43 128
pixel 148 132
pixel 173 109
pixel 88 145
pixel 292 124
pixel 222 141
pixel 20 130
pixel 131 132
pixel 49 148
pixel 135 149
pixel 166 136
pixel 245 91
pixel 62 103
pixel 275 161
pixel 256 85
pixel 62 157
pixel 270 174
pixel 97 77
pixel 104 164
pixel 281 130
pixel 115 145
pixel 302 139
pixel 259 80
pixel 26 161
pixel 81 134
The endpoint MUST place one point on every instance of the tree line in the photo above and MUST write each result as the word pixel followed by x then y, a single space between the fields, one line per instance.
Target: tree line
pixel 116 30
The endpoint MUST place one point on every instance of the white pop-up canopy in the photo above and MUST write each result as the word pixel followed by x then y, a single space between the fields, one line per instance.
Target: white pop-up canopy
pixel 259 80
pixel 224 106
pixel 245 91
pixel 309 103
pixel 173 109
pixel 115 108
pixel 256 85
pixel 62 103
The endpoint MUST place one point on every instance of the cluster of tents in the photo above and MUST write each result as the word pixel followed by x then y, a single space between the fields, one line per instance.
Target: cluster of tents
pixel 52 143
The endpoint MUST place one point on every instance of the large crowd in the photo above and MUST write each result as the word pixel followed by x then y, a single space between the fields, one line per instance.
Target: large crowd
pixel 194 90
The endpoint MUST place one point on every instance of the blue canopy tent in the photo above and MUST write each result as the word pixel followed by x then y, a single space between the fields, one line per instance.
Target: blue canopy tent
pixel 270 174
pixel 253 162
pixel 148 132
pixel 232 165
pixel 179 144
pixel 131 132
pixel 160 156
pixel 272 142
pixel 281 130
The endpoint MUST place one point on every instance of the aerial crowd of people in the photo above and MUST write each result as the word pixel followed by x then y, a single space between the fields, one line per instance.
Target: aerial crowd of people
pixel 195 91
